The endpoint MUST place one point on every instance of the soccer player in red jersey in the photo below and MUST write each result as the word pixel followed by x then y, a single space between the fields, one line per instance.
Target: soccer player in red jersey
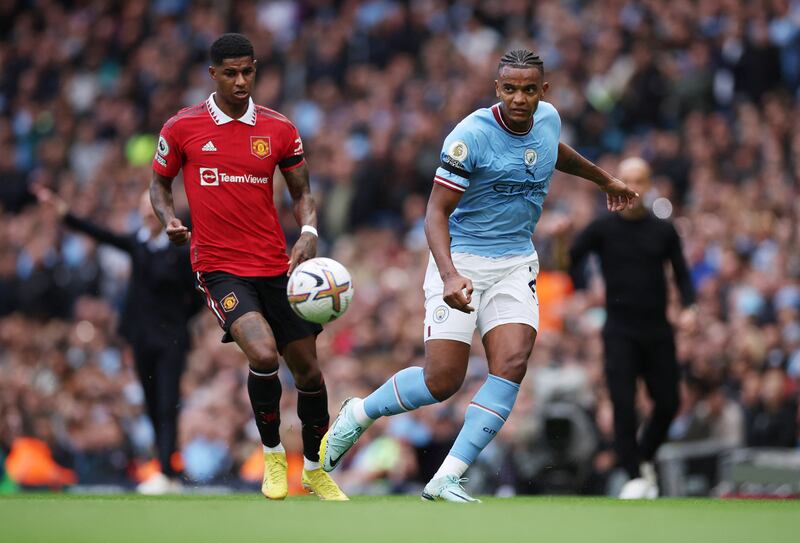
pixel 228 149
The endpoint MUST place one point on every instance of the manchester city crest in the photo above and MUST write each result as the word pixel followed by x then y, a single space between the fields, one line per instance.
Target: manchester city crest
pixel 440 314
pixel 530 157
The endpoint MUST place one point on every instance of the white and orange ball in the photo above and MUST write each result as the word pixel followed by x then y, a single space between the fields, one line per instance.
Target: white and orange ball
pixel 320 290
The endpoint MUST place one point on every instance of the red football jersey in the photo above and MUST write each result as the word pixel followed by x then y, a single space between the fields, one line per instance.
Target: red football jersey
pixel 228 167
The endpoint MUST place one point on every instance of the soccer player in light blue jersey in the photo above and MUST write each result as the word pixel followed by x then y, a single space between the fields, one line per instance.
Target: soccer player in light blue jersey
pixel 486 200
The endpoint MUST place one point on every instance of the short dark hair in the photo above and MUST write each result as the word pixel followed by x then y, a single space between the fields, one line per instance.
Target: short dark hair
pixel 521 58
pixel 230 45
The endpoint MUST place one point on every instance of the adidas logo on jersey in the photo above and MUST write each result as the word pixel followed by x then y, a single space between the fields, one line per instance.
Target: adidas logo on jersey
pixel 209 146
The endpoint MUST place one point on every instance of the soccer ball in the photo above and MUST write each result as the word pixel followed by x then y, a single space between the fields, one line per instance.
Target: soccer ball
pixel 320 290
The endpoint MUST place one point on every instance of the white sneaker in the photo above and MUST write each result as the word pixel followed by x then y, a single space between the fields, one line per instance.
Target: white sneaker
pixel 343 434
pixel 449 489
pixel 158 484
pixel 638 489
pixel 641 488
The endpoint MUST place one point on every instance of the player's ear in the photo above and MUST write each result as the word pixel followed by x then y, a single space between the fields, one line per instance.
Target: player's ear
pixel 545 88
pixel 496 88
pixel 212 71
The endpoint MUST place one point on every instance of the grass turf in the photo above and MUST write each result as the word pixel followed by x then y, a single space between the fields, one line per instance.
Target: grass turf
pixel 128 518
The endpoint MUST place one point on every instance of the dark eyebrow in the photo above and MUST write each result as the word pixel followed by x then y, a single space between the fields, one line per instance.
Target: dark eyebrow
pixel 231 70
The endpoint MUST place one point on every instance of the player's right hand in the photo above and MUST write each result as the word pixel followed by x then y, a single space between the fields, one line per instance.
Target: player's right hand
pixel 458 293
pixel 177 232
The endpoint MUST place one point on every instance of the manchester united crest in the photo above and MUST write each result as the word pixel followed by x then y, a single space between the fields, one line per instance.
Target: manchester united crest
pixel 229 302
pixel 260 147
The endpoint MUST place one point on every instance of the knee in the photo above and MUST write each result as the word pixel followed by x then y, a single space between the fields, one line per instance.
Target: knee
pixel 263 358
pixel 442 386
pixel 307 378
pixel 513 367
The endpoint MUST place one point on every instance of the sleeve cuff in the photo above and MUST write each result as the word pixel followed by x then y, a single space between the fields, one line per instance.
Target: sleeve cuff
pixel 449 184
pixel 291 163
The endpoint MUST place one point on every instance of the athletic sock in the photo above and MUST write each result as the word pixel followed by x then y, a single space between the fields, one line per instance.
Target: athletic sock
pixel 451 466
pixel 265 397
pixel 312 408
pixel 360 414
pixel 310 465
pixel 404 391
pixel 276 449
pixel 484 417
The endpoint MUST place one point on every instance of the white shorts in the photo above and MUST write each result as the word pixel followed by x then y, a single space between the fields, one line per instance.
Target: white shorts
pixel 504 293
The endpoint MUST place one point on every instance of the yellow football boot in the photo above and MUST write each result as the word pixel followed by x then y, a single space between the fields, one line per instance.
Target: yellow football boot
pixel 275 485
pixel 321 484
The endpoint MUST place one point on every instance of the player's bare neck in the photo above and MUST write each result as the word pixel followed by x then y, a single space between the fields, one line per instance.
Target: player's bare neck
pixel 232 110
pixel 521 128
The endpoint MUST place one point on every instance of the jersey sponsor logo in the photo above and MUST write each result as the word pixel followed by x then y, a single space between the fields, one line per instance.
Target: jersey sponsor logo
pixel 212 177
pixel 440 314
pixel 161 160
pixel 260 147
pixel 163 147
pixel 209 177
pixel 229 302
pixel 527 189
pixel 530 157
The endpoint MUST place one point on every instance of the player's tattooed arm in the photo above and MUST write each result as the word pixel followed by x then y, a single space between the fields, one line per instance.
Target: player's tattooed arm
pixel 457 292
pixel 618 195
pixel 161 200
pixel 305 213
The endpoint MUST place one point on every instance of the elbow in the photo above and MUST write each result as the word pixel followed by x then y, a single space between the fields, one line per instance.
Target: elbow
pixel 434 216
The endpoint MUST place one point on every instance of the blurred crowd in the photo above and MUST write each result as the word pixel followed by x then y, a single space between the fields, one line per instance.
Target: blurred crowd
pixel 705 90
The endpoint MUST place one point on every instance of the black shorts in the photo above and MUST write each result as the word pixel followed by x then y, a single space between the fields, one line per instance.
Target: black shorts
pixel 230 296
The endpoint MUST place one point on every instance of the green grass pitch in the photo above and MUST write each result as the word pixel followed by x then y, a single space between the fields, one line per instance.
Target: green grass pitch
pixel 245 518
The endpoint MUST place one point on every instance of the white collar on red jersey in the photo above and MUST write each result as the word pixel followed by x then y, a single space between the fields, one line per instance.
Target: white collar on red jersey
pixel 220 117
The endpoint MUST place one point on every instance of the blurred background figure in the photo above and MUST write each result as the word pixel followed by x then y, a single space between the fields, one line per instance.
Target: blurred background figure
pixel 158 307
pixel 633 246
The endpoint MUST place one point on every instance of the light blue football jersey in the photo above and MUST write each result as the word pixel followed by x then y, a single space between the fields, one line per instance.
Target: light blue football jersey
pixel 504 176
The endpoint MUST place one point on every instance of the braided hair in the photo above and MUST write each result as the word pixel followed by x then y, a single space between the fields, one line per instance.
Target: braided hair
pixel 521 58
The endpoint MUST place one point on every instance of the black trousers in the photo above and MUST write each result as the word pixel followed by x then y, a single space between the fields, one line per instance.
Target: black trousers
pixel 653 359
pixel 160 368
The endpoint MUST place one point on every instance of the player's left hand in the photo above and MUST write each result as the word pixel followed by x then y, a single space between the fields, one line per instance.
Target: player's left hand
pixel 618 195
pixel 305 248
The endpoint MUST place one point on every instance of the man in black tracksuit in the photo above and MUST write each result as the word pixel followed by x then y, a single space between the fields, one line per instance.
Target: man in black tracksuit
pixel 633 247
pixel 159 302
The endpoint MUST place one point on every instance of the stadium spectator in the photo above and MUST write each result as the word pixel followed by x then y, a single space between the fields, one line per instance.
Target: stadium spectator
pixel 159 303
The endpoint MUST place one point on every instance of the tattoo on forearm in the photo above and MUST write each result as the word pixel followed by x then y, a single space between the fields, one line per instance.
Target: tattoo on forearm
pixel 304 207
pixel 161 199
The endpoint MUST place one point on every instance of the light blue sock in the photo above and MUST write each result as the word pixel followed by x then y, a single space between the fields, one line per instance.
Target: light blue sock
pixel 405 391
pixel 485 415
